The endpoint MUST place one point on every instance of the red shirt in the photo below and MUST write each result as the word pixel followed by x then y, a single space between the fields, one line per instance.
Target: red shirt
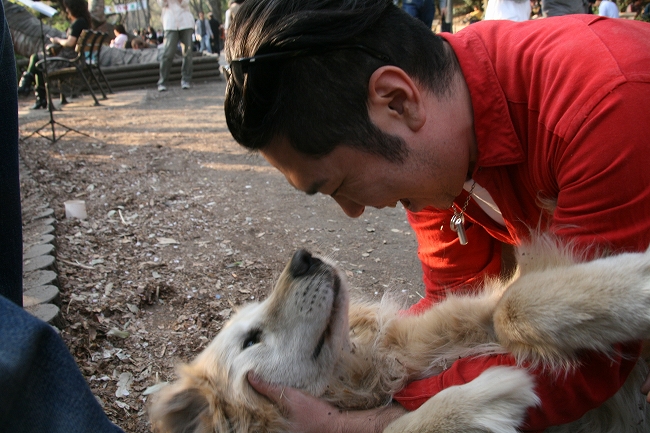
pixel 562 114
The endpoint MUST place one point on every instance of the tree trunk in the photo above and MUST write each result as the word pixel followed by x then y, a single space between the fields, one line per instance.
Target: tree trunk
pixel 96 9
pixel 25 29
pixel 215 6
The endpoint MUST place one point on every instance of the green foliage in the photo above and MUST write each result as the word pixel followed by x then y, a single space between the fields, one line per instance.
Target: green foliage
pixel 58 21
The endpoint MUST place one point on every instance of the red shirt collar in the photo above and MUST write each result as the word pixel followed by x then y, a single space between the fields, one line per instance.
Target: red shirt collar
pixel 496 139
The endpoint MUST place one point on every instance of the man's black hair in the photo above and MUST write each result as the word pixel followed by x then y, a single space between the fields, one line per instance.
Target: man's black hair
pixel 319 101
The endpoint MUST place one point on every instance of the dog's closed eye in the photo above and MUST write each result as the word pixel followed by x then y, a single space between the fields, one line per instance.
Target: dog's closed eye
pixel 252 338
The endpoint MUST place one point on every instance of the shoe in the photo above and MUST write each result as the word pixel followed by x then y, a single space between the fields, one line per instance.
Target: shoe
pixel 25 85
pixel 185 85
pixel 41 99
pixel 161 88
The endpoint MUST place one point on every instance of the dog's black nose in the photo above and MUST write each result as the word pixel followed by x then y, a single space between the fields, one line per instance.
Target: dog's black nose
pixel 302 262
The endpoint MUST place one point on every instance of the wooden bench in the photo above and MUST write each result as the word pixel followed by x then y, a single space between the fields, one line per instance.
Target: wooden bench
pixel 88 46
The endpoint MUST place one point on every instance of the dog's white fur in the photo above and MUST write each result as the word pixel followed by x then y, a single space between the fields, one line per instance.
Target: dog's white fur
pixel 356 356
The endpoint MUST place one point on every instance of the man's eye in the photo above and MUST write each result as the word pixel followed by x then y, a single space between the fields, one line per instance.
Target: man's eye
pixel 252 339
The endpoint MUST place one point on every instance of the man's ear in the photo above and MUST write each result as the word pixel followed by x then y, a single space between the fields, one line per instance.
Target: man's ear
pixel 394 97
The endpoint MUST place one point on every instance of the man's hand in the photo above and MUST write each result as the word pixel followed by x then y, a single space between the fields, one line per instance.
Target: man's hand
pixel 308 414
pixel 305 412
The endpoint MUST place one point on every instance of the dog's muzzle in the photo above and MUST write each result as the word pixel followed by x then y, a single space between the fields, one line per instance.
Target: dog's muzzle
pixel 303 263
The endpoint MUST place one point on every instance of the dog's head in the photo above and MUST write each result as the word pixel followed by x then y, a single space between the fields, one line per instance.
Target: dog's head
pixel 293 338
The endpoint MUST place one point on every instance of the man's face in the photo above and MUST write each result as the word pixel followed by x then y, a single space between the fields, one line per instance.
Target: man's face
pixel 356 179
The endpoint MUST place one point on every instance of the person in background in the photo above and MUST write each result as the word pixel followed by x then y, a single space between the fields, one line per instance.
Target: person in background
pixel 215 26
pixel 607 8
pixel 121 37
pixel 139 43
pixel 178 25
pixel 444 25
pixel 475 16
pixel 77 12
pixel 151 36
pixel 513 10
pixel 424 10
pixel 203 33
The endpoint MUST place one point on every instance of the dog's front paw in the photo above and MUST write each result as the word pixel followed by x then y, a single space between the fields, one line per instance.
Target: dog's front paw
pixel 496 401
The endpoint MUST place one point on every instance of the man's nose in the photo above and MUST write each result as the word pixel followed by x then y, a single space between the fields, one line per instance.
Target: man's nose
pixel 351 209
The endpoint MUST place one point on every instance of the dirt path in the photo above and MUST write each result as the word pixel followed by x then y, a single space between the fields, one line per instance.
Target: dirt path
pixel 183 227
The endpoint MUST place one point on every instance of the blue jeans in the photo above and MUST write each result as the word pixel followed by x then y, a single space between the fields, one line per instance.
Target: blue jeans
pixel 424 10
pixel 205 44
pixel 41 387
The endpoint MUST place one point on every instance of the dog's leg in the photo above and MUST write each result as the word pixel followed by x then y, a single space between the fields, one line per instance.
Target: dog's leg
pixel 547 316
pixel 428 343
pixel 496 401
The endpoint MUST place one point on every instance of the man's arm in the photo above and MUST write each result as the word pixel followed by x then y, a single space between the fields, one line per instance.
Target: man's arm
pixel 308 414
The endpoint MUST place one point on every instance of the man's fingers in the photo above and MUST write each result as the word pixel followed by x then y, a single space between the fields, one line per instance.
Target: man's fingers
pixel 274 393
pixel 264 388
pixel 277 394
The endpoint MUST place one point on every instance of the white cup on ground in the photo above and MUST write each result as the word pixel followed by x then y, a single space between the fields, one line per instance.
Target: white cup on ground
pixel 75 209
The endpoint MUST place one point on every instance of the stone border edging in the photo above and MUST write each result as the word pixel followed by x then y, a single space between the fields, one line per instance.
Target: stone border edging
pixel 40 279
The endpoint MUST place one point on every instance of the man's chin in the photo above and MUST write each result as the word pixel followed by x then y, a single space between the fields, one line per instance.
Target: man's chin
pixel 410 206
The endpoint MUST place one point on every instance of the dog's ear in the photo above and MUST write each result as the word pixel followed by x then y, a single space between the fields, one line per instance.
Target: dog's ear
pixel 181 408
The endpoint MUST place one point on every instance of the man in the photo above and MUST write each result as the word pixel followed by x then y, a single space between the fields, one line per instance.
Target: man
pixel 215 26
pixel 483 136
pixel 203 32
pixel 178 25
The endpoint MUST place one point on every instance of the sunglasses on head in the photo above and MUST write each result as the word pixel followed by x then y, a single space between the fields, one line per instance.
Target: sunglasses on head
pixel 237 69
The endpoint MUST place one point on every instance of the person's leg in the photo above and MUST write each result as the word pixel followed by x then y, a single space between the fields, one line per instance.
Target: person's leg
pixel 171 41
pixel 214 44
pixel 412 7
pixel 427 12
pixel 42 387
pixel 186 43
pixel 205 45
pixel 27 80
pixel 11 237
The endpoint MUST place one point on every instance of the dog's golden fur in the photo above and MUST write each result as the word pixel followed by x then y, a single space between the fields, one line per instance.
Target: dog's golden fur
pixel 356 356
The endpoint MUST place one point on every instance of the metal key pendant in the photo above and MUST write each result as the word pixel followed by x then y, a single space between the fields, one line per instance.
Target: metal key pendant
pixel 457 226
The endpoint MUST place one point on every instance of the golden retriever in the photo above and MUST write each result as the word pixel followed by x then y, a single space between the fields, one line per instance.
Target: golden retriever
pixel 357 354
